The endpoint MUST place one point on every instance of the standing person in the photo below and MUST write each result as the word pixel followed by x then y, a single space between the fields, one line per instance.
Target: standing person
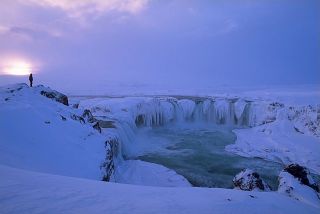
pixel 30 79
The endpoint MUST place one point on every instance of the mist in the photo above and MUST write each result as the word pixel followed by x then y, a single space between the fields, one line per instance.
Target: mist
pixel 169 44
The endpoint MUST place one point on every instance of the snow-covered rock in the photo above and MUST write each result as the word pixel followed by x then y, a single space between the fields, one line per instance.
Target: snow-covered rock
pixel 306 119
pixel 87 115
pixel 250 180
pixel 293 187
pixel 108 166
pixel 52 94
pixel 278 141
pixel 302 174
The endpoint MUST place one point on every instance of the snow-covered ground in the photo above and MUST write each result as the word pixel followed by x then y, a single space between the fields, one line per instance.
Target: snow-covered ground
pixel 32 192
pixel 52 160
pixel 35 137
pixel 278 141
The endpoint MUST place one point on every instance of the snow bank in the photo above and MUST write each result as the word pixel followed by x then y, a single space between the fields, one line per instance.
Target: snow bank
pixel 279 141
pixel 148 174
pixel 38 134
pixel 30 192
pixel 292 187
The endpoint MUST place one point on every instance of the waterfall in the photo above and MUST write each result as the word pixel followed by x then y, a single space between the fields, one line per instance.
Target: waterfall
pixel 160 111
pixel 130 113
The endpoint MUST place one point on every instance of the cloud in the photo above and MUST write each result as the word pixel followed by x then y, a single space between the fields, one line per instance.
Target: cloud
pixel 81 8
pixel 26 34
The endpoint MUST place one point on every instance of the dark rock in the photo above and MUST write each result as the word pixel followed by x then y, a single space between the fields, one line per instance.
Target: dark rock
pixel 108 166
pixel 47 122
pixel 298 130
pixel 7 99
pixel 106 124
pixel 63 118
pixel 302 174
pixel 78 118
pixel 57 96
pixel 97 127
pixel 249 180
pixel 277 105
pixel 88 116
pixel 291 186
pixel 75 105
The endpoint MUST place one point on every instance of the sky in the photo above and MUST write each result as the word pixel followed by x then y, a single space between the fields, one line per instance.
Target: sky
pixel 90 44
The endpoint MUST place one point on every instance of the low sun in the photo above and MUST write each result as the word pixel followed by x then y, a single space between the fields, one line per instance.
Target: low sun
pixel 18 67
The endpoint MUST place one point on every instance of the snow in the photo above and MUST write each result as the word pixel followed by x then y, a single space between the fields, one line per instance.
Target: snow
pixel 288 185
pixel 149 174
pixel 280 142
pixel 34 137
pixel 32 192
pixel 250 180
pixel 52 165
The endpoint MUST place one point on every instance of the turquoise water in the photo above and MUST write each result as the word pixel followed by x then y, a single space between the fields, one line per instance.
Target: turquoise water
pixel 197 153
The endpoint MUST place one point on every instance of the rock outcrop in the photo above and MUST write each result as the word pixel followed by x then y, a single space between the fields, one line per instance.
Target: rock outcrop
pixel 108 166
pixel 302 174
pixel 250 180
pixel 54 95
pixel 87 115
pixel 97 127
pixel 77 118
pixel 107 124
pixel 295 181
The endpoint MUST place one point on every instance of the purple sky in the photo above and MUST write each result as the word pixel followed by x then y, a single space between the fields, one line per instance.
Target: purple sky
pixel 86 44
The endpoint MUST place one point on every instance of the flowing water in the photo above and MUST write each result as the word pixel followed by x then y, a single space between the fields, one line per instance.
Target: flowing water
pixel 197 153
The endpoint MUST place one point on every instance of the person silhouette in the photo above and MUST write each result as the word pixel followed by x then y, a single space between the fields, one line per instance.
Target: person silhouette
pixel 30 79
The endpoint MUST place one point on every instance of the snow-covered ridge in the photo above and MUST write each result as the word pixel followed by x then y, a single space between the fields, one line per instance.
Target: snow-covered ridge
pixel 40 132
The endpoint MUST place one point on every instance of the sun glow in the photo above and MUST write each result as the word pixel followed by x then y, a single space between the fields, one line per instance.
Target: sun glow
pixel 17 67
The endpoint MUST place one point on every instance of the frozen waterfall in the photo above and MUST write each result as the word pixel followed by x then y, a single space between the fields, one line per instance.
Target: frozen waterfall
pixel 158 111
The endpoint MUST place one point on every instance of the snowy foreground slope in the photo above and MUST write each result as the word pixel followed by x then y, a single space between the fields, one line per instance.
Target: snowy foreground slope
pixel 53 157
pixel 32 192
pixel 38 134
